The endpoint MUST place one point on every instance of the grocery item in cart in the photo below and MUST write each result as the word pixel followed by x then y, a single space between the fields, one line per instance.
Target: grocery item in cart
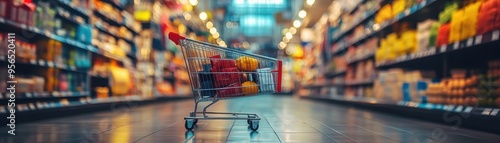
pixel 230 91
pixel 207 81
pixel 250 88
pixel 218 63
pixel 266 80
pixel 245 63
pixel 226 77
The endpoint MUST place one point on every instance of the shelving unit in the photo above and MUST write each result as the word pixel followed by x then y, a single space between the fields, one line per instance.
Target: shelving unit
pixel 472 53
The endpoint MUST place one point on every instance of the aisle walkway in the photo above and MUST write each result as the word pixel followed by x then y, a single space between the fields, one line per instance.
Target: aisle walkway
pixel 285 119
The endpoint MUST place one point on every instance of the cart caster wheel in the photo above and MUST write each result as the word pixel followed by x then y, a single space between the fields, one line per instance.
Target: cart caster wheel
pixel 254 125
pixel 195 121
pixel 249 121
pixel 189 124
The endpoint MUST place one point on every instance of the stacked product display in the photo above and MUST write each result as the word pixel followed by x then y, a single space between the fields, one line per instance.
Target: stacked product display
pixel 74 52
pixel 430 54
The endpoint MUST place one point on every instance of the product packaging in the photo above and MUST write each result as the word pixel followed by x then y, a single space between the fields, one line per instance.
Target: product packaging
pixel 266 82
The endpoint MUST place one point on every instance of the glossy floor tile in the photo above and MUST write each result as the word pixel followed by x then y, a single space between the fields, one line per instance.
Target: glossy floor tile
pixel 284 119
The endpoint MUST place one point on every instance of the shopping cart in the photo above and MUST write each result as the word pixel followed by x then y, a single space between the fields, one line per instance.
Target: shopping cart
pixel 218 73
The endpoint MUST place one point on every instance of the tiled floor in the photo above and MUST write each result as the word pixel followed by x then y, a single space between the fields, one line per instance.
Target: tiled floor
pixel 284 119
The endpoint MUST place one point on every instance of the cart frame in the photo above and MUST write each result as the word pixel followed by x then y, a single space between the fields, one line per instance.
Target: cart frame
pixel 192 119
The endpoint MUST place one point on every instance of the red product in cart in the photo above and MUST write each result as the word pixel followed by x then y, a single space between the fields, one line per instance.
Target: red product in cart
pixel 443 34
pixel 226 77
pixel 218 64
pixel 230 91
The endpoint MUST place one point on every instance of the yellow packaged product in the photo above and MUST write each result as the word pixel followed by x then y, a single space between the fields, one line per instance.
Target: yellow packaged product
pixel 470 20
pixel 384 14
pixel 409 39
pixel 457 19
pixel 398 6
pixel 247 63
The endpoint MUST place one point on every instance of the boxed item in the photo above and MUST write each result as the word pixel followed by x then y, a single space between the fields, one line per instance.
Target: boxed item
pixel 39 84
pixel 398 6
pixel 266 82
pixel 424 30
pixel 219 64
pixel 226 77
pixel 84 33
pixel 3 8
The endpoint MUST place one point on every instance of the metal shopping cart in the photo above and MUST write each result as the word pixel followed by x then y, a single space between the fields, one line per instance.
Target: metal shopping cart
pixel 218 73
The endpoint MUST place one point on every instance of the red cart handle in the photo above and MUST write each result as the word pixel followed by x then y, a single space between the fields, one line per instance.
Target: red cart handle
pixel 280 71
pixel 174 37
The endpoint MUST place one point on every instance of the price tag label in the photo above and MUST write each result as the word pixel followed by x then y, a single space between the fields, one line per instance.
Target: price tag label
pixel 495 35
pixel 456 45
pixel 72 67
pixel 459 109
pixel 1 95
pixel 33 62
pixel 449 108
pixel 423 3
pixel 28 95
pixel 495 112
pixel 442 49
pixel 55 94
pixel 486 111
pixel 479 39
pixel 470 41
pixel 50 64
pixel 23 26
pixel 41 62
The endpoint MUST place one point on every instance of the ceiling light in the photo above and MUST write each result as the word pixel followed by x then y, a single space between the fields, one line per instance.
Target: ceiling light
pixel 285 40
pixel 293 30
pixel 282 45
pixel 203 16
pixel 187 16
pixel 216 35
pixel 310 2
pixel 296 23
pixel 302 13
pixel 284 31
pixel 213 30
pixel 209 24
pixel 288 35
pixel 193 2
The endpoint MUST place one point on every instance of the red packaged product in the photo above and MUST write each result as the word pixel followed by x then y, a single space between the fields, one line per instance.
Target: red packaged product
pixel 485 20
pixel 218 64
pixel 443 34
pixel 231 91
pixel 226 77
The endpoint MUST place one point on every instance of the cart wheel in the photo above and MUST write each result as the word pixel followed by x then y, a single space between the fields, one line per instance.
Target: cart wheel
pixel 249 121
pixel 195 121
pixel 254 125
pixel 189 125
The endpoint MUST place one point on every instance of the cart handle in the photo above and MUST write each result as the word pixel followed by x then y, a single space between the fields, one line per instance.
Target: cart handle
pixel 174 37
pixel 280 71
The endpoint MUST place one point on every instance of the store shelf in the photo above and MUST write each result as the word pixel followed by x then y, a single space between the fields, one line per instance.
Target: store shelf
pixel 73 19
pixel 44 96
pixel 73 8
pixel 334 74
pixel 465 44
pixel 408 12
pixel 489 112
pixel 319 85
pixel 103 30
pixel 360 58
pixel 114 4
pixel 350 29
pixel 359 82
pixel 106 19
pixel 49 64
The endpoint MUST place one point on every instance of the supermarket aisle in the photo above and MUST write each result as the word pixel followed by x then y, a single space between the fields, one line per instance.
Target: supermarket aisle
pixel 285 119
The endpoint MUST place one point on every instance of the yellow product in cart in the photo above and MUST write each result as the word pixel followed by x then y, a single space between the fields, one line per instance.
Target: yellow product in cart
pixel 470 20
pixel 398 6
pixel 247 63
pixel 250 88
pixel 457 19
